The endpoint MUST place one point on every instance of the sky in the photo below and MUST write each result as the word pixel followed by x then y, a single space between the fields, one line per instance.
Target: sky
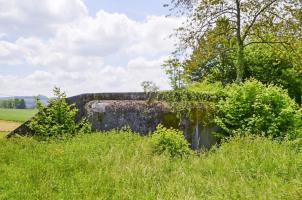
pixel 83 46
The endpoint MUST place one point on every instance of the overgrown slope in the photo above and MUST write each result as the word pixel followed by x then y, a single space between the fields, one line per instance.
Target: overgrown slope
pixel 121 166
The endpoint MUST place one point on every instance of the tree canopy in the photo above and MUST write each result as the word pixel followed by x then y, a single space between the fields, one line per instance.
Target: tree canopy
pixel 249 22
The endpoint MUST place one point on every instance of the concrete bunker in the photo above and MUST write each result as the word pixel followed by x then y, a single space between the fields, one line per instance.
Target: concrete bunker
pixel 108 111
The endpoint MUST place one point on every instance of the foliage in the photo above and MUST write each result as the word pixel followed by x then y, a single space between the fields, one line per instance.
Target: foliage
pixel 13 103
pixel 57 120
pixel 17 115
pixel 113 165
pixel 174 69
pixel 149 87
pixel 214 56
pixel 256 108
pixel 249 21
pixel 206 87
pixel 192 94
pixel 277 67
pixel 169 141
pixel 264 63
pixel 196 102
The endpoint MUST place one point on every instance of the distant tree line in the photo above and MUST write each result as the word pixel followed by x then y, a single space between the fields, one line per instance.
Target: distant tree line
pixel 13 103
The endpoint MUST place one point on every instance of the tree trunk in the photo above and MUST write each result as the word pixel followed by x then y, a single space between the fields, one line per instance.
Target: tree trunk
pixel 240 52
pixel 240 63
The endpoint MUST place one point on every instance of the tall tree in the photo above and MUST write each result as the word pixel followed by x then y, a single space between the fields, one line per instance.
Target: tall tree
pixel 175 71
pixel 252 22
pixel 213 58
pixel 22 104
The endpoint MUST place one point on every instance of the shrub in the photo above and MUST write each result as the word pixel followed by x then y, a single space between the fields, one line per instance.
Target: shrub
pixel 57 120
pixel 206 87
pixel 149 87
pixel 256 108
pixel 169 141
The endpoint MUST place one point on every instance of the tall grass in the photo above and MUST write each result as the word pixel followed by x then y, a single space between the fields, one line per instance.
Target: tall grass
pixel 17 115
pixel 119 165
pixel 3 134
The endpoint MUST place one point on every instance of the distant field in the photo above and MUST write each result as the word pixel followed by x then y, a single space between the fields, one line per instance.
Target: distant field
pixel 17 115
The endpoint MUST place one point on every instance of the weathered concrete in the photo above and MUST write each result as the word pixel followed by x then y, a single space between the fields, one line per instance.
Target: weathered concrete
pixel 141 116
pixel 80 101
pixel 108 111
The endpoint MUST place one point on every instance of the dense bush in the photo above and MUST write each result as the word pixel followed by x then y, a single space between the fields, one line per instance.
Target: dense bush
pixel 57 120
pixel 278 67
pixel 169 141
pixel 256 108
pixel 206 86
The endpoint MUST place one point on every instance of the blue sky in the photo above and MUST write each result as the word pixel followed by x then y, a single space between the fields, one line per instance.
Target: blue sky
pixel 136 9
pixel 83 45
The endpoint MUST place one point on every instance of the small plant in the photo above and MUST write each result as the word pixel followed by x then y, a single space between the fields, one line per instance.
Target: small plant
pixel 169 141
pixel 149 87
pixel 255 108
pixel 57 120
pixel 174 68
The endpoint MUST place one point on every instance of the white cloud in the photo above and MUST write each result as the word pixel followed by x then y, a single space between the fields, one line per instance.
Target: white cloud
pixel 154 36
pixel 11 53
pixel 100 79
pixel 106 53
pixel 103 35
pixel 38 17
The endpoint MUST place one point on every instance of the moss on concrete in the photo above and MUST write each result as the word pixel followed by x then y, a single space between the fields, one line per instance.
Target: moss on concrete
pixel 170 120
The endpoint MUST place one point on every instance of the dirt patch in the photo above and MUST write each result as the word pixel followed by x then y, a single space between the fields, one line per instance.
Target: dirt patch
pixel 7 126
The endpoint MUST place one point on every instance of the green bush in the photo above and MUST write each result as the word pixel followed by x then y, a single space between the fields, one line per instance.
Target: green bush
pixel 256 108
pixel 57 120
pixel 269 65
pixel 206 86
pixel 169 141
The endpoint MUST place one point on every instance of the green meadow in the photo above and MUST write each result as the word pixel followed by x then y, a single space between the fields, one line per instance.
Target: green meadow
pixel 120 165
pixel 2 134
pixel 17 115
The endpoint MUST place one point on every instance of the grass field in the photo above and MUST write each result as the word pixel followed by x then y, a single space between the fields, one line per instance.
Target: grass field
pixel 121 166
pixel 2 134
pixel 17 115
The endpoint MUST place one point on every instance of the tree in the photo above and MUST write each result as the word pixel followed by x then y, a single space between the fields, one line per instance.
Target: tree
pixel 16 103
pixel 175 70
pixel 9 103
pixel 22 104
pixel 267 22
pixel 19 103
pixel 277 67
pixel 213 58
pixel 149 87
pixel 265 63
